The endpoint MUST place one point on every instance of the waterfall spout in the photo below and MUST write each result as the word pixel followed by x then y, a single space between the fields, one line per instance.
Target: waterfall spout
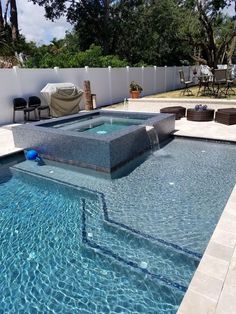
pixel 153 137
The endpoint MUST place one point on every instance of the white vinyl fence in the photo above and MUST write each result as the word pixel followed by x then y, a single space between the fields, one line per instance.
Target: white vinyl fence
pixel 111 85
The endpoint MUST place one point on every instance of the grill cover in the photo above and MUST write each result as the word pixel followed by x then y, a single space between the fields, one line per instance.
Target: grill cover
pixel 63 98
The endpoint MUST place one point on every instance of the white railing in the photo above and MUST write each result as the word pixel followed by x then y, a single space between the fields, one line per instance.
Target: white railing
pixel 111 85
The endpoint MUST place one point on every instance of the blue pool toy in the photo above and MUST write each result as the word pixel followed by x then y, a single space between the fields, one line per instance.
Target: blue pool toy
pixel 32 155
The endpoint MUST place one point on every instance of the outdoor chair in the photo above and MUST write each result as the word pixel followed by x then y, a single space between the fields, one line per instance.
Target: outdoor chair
pixel 20 104
pixel 186 84
pixel 230 82
pixel 220 82
pixel 205 85
pixel 35 102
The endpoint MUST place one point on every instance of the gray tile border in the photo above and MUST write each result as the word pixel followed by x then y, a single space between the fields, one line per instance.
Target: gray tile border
pixel 102 153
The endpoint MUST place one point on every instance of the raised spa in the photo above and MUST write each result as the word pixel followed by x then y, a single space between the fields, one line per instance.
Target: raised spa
pixel 101 140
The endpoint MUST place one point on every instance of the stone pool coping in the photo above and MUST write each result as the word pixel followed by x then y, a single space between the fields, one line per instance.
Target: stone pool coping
pixel 213 286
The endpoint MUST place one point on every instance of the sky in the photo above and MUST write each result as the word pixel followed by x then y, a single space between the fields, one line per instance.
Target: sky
pixel 35 27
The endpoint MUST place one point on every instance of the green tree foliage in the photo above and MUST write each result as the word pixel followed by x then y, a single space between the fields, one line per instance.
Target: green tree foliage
pixel 148 32
pixel 58 54
pixel 138 32
pixel 11 41
pixel 209 31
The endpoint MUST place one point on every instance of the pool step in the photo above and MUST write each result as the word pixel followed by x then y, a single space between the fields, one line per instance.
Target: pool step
pixel 159 262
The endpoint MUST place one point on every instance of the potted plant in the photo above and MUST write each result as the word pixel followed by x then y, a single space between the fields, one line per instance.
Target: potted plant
pixel 135 89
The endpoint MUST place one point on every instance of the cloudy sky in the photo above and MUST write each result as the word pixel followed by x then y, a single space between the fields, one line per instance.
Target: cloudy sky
pixel 35 27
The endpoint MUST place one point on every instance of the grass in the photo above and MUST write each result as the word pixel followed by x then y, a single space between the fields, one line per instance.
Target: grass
pixel 179 94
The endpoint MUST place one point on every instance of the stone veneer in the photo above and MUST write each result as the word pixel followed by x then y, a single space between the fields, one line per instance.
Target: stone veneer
pixel 213 287
pixel 103 153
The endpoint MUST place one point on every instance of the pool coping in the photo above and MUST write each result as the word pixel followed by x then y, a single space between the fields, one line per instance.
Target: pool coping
pixel 213 286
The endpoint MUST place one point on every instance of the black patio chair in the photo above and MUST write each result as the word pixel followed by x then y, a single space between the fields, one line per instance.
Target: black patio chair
pixel 205 85
pixel 230 82
pixel 220 82
pixel 20 104
pixel 35 102
pixel 186 84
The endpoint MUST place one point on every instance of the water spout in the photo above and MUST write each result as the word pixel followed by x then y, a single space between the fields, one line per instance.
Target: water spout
pixel 153 137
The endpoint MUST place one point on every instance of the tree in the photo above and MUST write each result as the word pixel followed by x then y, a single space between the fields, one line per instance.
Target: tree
pixel 14 21
pixel 152 32
pixel 213 32
pixel 1 20
pixel 9 32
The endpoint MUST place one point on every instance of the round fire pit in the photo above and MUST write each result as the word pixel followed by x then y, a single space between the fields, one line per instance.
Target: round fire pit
pixel 200 115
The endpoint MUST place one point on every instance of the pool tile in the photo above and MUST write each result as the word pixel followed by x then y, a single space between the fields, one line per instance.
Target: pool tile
pixel 219 251
pixel 195 303
pixel 233 196
pixel 231 278
pixel 227 301
pixel 231 207
pixel 206 285
pixel 224 238
pixel 213 267
pixel 227 223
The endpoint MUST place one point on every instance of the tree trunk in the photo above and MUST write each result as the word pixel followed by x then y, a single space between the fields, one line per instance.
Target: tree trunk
pixel 5 13
pixel 106 37
pixel 233 43
pixel 14 21
pixel 210 46
pixel 1 21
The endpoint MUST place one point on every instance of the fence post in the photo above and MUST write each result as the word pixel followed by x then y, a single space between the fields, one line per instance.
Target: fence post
pixel 175 74
pixel 56 71
pixel 110 84
pixel 142 78
pixel 154 79
pixel 127 78
pixel 165 88
pixel 86 74
pixel 18 82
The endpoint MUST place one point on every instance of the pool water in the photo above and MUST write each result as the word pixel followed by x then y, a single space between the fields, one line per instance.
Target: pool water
pixel 99 125
pixel 47 268
pixel 127 245
pixel 104 128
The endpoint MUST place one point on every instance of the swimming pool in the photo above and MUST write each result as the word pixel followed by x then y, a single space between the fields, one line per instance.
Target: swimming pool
pixel 112 246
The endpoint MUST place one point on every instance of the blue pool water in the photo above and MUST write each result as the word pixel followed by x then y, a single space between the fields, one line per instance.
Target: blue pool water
pixel 104 128
pixel 129 245
pixel 99 125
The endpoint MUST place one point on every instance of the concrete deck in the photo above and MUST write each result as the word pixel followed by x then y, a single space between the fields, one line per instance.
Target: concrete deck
pixel 6 140
pixel 210 130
